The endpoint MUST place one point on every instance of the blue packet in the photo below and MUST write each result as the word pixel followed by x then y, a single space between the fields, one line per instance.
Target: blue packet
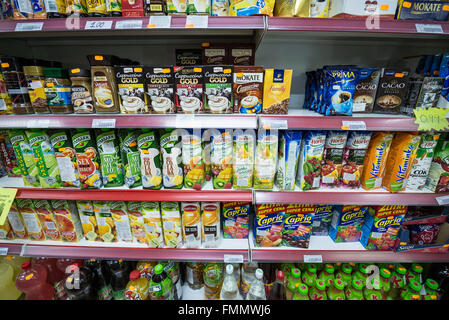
pixel 444 73
pixel 341 82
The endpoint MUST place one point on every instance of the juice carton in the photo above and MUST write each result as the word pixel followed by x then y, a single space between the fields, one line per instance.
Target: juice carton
pixel 111 162
pixel 61 142
pixel 235 217
pixel 347 222
pixel 171 149
pixel 207 151
pixel 289 147
pixel 88 220
pixel 243 161
pixel 210 224
pixel 153 224
pixel 137 221
pixel 45 159
pixel 268 224
pixel 221 158
pixel 400 161
pixel 130 157
pixel 171 224
pixel 87 159
pixel 322 219
pixel 6 232
pixel 192 159
pixel 30 219
pixel 47 219
pixel 150 159
pixel 8 154
pixel 25 158
pixel 423 160
pixel 354 157
pixel 106 226
pixel 382 226
pixel 438 178
pixel 68 220
pixel 333 158
pixel 376 160
pixel 298 223
pixel 121 220
pixel 310 157
pixel 191 224
pixel 16 221
pixel 266 159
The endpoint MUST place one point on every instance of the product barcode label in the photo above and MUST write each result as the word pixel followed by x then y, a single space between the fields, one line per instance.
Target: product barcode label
pixel 442 200
pixel 29 26
pixel 353 125
pixel 103 123
pixel 98 25
pixel 38 123
pixel 50 225
pixel 328 179
pixel 233 258
pixel 3 251
pixel 429 28
pixel 2 105
pixel 160 22
pixel 316 258
pixel 156 288
pixel 316 223
pixel 316 182
pixel 130 24
pixel 197 21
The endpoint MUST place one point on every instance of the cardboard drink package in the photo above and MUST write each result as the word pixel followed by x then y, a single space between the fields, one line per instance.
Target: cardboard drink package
pixel 438 178
pixel 88 220
pixel 198 6
pixel 61 142
pixel 111 164
pixel 176 7
pixel 153 224
pixel 347 223
pixel 130 157
pixel 309 167
pixel 210 224
pixel 333 158
pixel 353 158
pixel 298 223
pixel 268 225
pixel 25 158
pixel 47 219
pixel 150 159
pixel 235 217
pixel 322 220
pixel 121 220
pixel 30 219
pixel 193 160
pixel 171 151
pixel 191 224
pixel 67 218
pixel 243 159
pixel 106 226
pixel 289 147
pixel 171 224
pixel 221 158
pixel 265 159
pixel 6 232
pixel 137 222
pixel 15 219
pixel 8 154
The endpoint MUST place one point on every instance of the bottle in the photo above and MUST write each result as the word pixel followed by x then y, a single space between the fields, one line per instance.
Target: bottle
pixel 361 273
pixel 146 268
pixel 160 285
pixel 62 265
pixel 318 292
pixel 118 271
pixel 344 274
pixel 102 286
pixel 237 273
pixel 415 273
pixel 194 275
pixel 137 287
pixel 32 280
pixel 213 279
pixel 309 277
pixel 54 276
pixel 15 262
pixel 440 273
pixel 230 289
pixel 375 292
pixel 294 279
pixel 248 276
pixel 277 292
pixel 301 293
pixel 328 275
pixel 287 269
pixel 8 290
pixel 397 283
pixel 412 291
pixel 336 291
pixel 80 284
pixel 269 275
pixel 430 290
pixel 257 288
pixel 385 282
pixel 355 290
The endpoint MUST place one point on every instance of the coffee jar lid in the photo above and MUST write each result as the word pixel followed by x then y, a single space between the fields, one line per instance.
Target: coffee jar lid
pixel 55 73
pixel 78 72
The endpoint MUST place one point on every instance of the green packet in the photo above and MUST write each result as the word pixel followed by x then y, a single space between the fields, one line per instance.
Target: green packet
pixel 150 160
pixel 25 158
pixel 111 162
pixel 130 157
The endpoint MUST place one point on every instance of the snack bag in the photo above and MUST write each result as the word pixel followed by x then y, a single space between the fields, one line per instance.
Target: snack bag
pixel 221 158
pixel 16 221
pixel 61 142
pixel 310 157
pixel 137 222
pixel 8 155
pixel 191 224
pixel 121 220
pixel 171 224
pixel 382 226
pixel 171 150
pixel 276 91
pixel 438 179
pixel 111 163
pixel 106 226
pixel 251 7
pixel 400 160
pixel 150 159
pixel 268 224
pixel 67 218
pixel 30 218
pixel 266 159
pixel 424 234
pixel 322 220
pixel 333 158
pixel 353 158
pixel 376 160
pixel 289 147
pixel 88 220
pixel 192 159
pixel 25 158
pixel 6 232
pixel 235 217
pixel 210 224
pixel 243 159
pixel 47 219
pixel 153 224
pixel 340 87
pixel 347 223
pixel 298 223
pixel 130 157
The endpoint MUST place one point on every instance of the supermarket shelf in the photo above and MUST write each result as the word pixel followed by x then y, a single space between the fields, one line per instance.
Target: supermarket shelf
pixel 12 248
pixel 130 121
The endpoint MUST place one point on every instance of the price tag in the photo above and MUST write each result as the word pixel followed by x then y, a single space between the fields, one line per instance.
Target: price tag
pixel 29 26
pixel 38 123
pixel 316 258
pixel 128 24
pixel 233 258
pixel 431 119
pixel 3 251
pixel 275 124
pixel 197 22
pixel 186 121
pixel 353 125
pixel 442 201
pixel 98 25
pixel 163 22
pixel 429 28
pixel 103 123
pixel 7 196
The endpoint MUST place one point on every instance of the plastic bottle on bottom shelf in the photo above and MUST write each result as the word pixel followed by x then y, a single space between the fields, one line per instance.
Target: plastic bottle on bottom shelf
pixel 373 292
pixel 137 287
pixel 32 281
pixel 385 282
pixel 328 275
pixel 194 275
pixel 54 276
pixel 293 279
pixel 277 292
pixel 318 292
pixel 361 273
pixel 230 289
pixel 237 273
pixel 301 293
pixel 160 285
pixel 8 290
pixel 101 282
pixel 15 262
pixel 213 277
pixel 336 291
pixel 345 274
pixel 248 276
pixel 309 276
pixel 430 291
pixel 412 291
pixel 79 285
pixel 257 288
pixel 355 290
pixel 119 273
pixel 415 273
pixel 269 275
pixel 397 283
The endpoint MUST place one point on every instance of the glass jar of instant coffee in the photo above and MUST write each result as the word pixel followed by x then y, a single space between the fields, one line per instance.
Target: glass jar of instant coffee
pixel 58 90
pixel 81 91
pixel 36 80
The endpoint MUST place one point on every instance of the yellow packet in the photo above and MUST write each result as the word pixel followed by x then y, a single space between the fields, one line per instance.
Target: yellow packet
pixel 191 224
pixel 171 222
pixel 88 220
pixel 276 91
pixel 291 8
pixel 242 8
pixel 106 226
pixel 153 224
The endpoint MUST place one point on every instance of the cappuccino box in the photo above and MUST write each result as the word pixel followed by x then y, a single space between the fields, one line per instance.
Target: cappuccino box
pixel 347 223
pixel 218 89
pixel 235 217
pixel 382 226
pixel 215 54
pixel 423 10
pixel 160 88
pixel 189 57
pixel 131 92
pixel 189 89
pixel 248 89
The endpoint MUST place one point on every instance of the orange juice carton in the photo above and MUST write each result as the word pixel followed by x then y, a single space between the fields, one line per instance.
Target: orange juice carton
pixel 16 221
pixel 376 160
pixel 210 224
pixel 191 224
pixel 171 224
pixel 88 220
pixel 47 219
pixel 268 224
pixel 136 220
pixel 119 214
pixel 68 220
pixel 106 226
pixel 30 218
pixel 6 232
pixel 400 160
pixel 353 158
pixel 347 222
pixel 153 224
pixel 298 223
pixel 235 217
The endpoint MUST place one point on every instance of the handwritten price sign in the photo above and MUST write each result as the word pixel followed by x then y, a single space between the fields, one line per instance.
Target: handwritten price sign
pixel 98 25
pixel 431 119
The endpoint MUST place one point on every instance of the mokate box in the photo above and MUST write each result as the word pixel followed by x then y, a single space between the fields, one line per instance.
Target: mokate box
pixel 423 10
pixel 215 54
pixel 241 54
pixel 348 9
pixel 133 8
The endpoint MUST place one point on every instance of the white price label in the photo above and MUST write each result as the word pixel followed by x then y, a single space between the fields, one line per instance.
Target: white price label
pixel 38 123
pixel 3 251
pixel 275 124
pixel 316 258
pixel 429 28
pixel 103 123
pixel 98 25
pixel 442 201
pixel 185 121
pixel 160 22
pixel 233 258
pixel 128 24
pixel 29 26
pixel 197 22
pixel 353 125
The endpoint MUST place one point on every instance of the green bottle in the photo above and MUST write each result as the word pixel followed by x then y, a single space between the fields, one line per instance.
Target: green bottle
pixel 328 275
pixel 397 283
pixel 375 292
pixel 415 273
pixel 361 274
pixel 345 274
pixel 318 292
pixel 385 282
pixel 431 288
pixel 293 279
pixel 301 292
pixel 336 291
pixel 309 276
pixel 160 284
pixel 412 291
pixel 355 290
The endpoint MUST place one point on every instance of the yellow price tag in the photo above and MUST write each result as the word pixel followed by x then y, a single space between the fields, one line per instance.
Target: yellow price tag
pixel 431 119
pixel 28 277
pixel 7 196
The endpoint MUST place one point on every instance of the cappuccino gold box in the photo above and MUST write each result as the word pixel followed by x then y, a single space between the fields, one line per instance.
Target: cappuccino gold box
pixel 131 92
pixel 160 89
pixel 189 96
pixel 218 89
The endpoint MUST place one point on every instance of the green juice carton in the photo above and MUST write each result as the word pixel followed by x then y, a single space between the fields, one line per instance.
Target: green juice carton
pixel 150 160
pixel 25 158
pixel 61 141
pixel 171 151
pixel 130 157
pixel 111 162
